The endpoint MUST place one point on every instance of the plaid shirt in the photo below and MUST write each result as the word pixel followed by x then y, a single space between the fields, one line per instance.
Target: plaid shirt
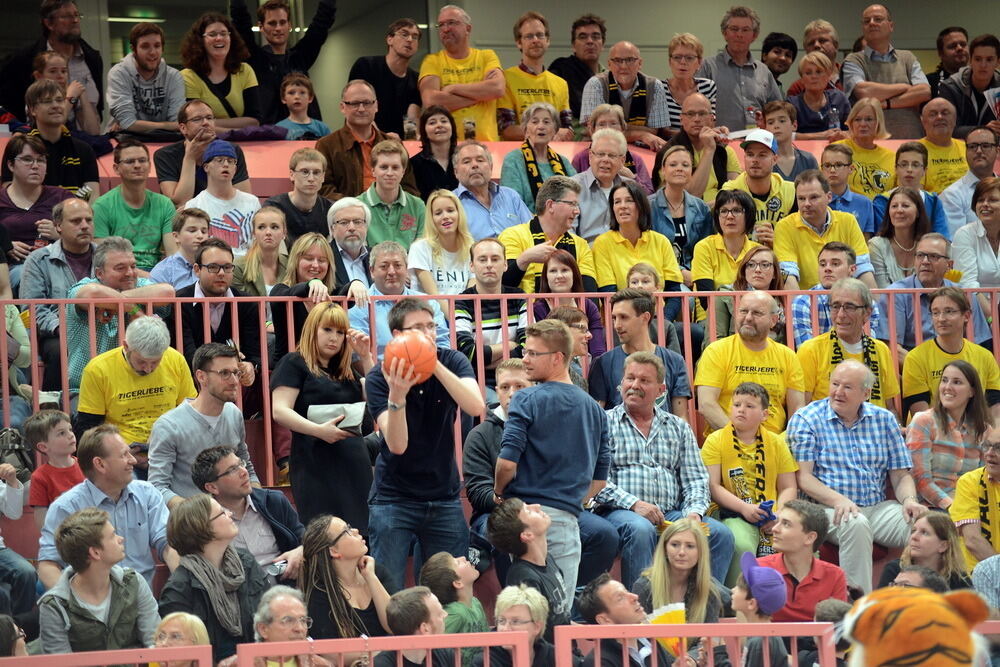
pixel 852 460
pixel 664 469
pixel 802 315
pixel 940 457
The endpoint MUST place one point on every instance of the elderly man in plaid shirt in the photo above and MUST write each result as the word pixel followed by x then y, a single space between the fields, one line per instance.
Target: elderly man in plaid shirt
pixel 656 472
pixel 846 447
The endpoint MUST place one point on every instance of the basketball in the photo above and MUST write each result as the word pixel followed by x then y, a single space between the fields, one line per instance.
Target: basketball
pixel 415 348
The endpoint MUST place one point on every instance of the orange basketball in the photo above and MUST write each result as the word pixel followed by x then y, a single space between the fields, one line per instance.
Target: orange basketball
pixel 415 348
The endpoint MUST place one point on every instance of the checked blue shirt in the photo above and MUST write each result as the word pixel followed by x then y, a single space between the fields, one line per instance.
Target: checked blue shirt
pixel 664 469
pixel 852 460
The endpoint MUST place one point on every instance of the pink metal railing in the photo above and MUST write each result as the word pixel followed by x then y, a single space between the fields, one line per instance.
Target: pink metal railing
pixel 201 656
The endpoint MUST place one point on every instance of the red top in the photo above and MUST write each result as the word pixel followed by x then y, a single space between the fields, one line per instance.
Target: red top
pixel 49 482
pixel 824 581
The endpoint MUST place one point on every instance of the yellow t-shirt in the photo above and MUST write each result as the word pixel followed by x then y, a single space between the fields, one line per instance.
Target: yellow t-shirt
pixel 815 355
pixel 525 88
pixel 720 449
pixel 966 507
pixel 712 187
pixel 519 238
pixel 728 362
pixel 874 170
pixel 944 165
pixel 775 205
pixel 130 401
pixel 711 260
pixel 795 241
pixel 195 88
pixel 614 255
pixel 472 69
pixel 924 364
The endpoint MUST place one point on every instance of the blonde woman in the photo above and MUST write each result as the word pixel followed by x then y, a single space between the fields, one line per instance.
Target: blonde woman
pixel 820 109
pixel 439 262
pixel 265 262
pixel 684 54
pixel 874 165
pixel 330 469
pixel 180 629
pixel 522 608
pixel 311 274
pixel 934 544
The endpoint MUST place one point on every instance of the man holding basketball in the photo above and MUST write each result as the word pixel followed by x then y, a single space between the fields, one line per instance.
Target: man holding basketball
pixel 555 449
pixel 416 487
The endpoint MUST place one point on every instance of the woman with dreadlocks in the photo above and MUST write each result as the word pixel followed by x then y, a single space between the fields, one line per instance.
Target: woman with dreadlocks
pixel 343 594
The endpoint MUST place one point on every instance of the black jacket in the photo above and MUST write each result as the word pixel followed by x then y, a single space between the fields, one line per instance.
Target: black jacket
pixel 341 268
pixel 479 461
pixel 193 327
pixel 183 592
pixel 957 89
pixel 15 75
pixel 611 656
pixel 279 314
pixel 281 516
pixel 545 656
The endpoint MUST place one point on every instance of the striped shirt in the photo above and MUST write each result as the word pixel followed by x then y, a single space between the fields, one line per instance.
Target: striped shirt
pixel 490 328
pixel 802 308
pixel 706 87
pixel 852 460
pixel 664 469
pixel 940 457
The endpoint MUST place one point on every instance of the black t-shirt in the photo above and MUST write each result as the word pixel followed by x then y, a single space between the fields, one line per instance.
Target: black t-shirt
pixel 426 470
pixel 323 626
pixel 394 93
pixel 548 581
pixel 440 657
pixel 298 223
pixel 70 163
pixel 169 158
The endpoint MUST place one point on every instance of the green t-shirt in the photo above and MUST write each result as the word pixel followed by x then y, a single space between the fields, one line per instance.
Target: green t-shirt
pixel 401 221
pixel 144 227
pixel 466 618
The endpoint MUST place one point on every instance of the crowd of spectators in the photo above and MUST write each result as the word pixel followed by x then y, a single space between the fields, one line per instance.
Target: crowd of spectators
pixel 725 467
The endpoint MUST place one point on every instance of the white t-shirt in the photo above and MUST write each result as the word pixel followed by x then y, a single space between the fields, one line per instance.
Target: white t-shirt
pixel 232 219
pixel 451 274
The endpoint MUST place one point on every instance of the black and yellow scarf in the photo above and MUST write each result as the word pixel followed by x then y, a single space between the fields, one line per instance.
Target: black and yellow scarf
pixel 750 485
pixel 869 356
pixel 638 101
pixel 535 179
pixel 984 509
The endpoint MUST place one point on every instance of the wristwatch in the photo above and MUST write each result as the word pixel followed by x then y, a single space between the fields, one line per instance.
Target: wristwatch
pixel 397 406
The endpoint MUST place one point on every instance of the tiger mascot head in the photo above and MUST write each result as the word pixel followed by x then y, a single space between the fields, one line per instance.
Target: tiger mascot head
pixel 902 627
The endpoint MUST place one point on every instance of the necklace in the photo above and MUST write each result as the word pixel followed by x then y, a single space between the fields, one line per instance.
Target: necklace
pixel 910 249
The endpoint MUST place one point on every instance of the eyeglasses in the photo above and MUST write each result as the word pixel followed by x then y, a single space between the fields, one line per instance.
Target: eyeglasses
pixel 623 61
pixel 429 328
pixel 289 621
pixel 309 172
pixel 348 528
pixel 763 266
pixel 835 165
pixel 230 470
pixel 359 104
pixel 224 161
pixel 696 114
pixel 200 119
pixel 535 35
pixel 684 59
pixel 224 512
pixel 571 204
pixel 731 211
pixel 534 354
pixel 351 222
pixel 932 256
pixel 222 34
pixel 580 326
pixel 946 313
pixel 173 637
pixel 227 373
pixel 991 446
pixel 448 24
pixel 29 161
pixel 984 146
pixel 513 622
pixel 849 308
pixel 408 36
pixel 215 268
pixel 134 160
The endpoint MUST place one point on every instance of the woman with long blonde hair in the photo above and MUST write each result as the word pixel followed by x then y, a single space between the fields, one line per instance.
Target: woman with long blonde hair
pixel 439 262
pixel 934 544
pixel 317 395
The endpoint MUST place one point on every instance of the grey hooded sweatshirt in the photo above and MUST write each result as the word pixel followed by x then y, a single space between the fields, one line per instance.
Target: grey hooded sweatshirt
pixel 132 98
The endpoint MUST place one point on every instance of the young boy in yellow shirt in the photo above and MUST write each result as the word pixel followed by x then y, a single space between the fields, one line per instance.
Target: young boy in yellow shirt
pixel 748 465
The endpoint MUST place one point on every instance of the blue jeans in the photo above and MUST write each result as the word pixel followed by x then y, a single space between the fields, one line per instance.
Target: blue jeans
pixel 20 577
pixel 437 525
pixel 598 547
pixel 639 537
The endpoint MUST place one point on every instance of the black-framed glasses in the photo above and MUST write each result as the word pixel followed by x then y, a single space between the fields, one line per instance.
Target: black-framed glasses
pixel 351 222
pixel 359 104
pixel 227 373
pixel 230 470
pixel 224 512
pixel 348 528
pixel 623 61
pixel 215 268
pixel 849 308
pixel 932 256
pixel 984 146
